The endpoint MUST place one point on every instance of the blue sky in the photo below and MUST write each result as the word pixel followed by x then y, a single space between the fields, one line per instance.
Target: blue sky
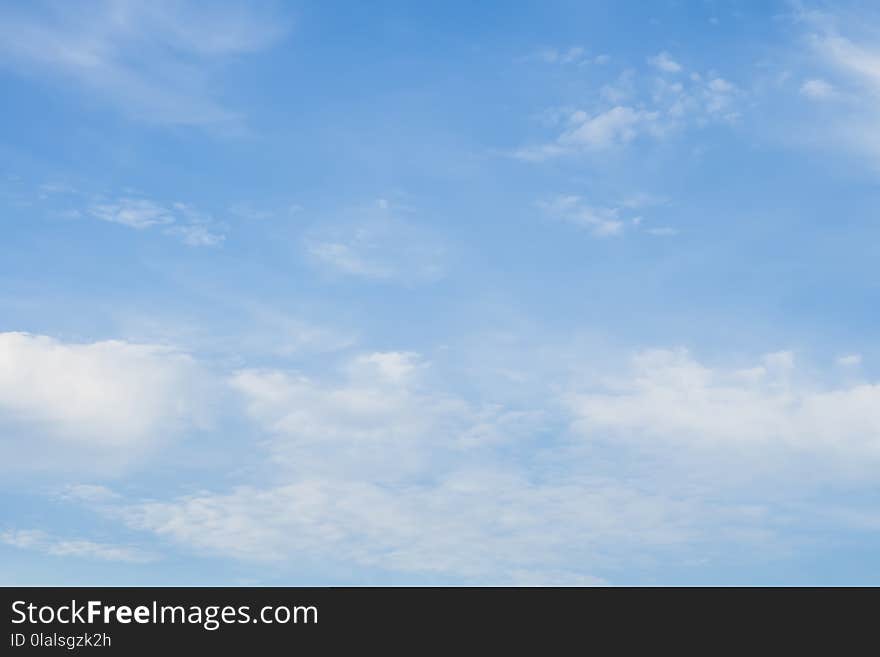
pixel 450 293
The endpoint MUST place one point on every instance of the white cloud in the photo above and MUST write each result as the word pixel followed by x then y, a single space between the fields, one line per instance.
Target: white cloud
pixel 642 200
pixel 196 235
pixel 618 125
pixel 697 101
pixel 602 221
pixel 636 107
pixel 379 405
pixel 89 493
pixel 717 98
pixel 378 467
pixel 858 61
pixel 603 131
pixel 389 366
pixel 664 62
pixel 113 397
pixel 181 220
pixel 346 259
pixel 378 246
pixel 347 422
pixel 134 213
pixel 35 539
pixel 484 526
pixel 817 89
pixel 621 90
pixel 151 60
pixel 850 360
pixel 843 51
pixel 720 86
pixel 671 400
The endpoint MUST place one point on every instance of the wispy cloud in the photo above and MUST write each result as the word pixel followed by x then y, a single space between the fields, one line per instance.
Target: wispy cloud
pixel 35 539
pixel 153 61
pixel 180 220
pixel 850 360
pixel 818 89
pixel 378 244
pixel 663 61
pixel 841 63
pixel 603 220
pixel 481 526
pixel 134 213
pixel 638 106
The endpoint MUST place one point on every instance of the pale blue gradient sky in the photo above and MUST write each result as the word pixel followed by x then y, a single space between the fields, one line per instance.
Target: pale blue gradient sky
pixel 505 293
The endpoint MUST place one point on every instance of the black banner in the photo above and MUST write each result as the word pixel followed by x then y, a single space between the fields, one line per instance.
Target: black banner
pixel 129 621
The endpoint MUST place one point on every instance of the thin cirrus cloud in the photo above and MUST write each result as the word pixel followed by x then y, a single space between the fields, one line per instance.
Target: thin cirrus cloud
pixel 183 221
pixel 817 89
pixel 377 244
pixel 845 68
pixel 604 221
pixel 475 525
pixel 134 213
pixel 153 61
pixel 40 541
pixel 179 220
pixel 600 221
pixel 859 61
